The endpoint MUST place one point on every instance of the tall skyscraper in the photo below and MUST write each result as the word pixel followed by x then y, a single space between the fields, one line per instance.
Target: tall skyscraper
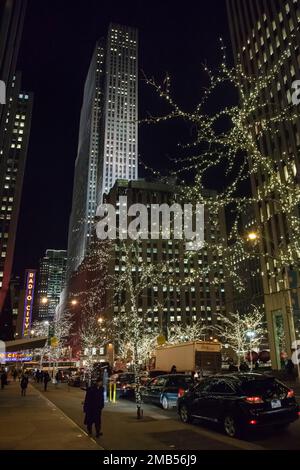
pixel 51 279
pixel 107 147
pixel 12 13
pixel 119 140
pixel 13 153
pixel 261 31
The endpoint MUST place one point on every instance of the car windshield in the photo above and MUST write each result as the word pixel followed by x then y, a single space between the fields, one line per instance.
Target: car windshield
pixel 266 387
pixel 180 381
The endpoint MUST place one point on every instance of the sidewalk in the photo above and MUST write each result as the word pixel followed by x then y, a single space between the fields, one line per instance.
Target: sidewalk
pixel 35 423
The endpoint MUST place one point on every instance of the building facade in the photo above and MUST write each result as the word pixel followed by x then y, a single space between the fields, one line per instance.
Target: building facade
pixel 107 147
pixel 262 31
pixel 51 280
pixel 248 270
pixel 164 307
pixel 12 13
pixel 12 166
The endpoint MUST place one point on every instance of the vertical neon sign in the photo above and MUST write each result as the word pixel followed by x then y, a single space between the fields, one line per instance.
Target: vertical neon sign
pixel 28 302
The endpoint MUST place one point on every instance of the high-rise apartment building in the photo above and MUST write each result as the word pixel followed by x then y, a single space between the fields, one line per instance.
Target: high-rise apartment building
pixel 107 147
pixel 262 31
pixel 51 280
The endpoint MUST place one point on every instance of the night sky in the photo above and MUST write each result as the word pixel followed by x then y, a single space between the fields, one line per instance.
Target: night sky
pixel 58 41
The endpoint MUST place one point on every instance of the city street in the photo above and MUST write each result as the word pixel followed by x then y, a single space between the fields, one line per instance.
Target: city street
pixel 54 420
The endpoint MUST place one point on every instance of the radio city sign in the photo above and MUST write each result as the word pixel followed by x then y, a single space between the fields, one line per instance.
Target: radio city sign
pixel 28 301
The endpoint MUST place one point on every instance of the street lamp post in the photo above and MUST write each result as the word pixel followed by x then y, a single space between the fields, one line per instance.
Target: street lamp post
pixel 250 334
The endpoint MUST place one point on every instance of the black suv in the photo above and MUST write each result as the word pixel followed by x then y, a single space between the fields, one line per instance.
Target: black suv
pixel 239 402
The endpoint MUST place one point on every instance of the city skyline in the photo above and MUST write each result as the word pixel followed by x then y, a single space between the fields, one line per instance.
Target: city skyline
pixel 64 141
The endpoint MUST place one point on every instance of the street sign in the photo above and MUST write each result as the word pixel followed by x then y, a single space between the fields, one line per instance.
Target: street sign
pixel 53 342
pixel 161 340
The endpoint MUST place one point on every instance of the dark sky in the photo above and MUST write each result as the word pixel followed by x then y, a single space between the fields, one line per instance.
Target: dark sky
pixel 58 41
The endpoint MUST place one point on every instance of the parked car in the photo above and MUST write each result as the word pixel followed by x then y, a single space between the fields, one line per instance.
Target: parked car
pixel 125 385
pixel 239 402
pixel 164 390
pixel 146 376
pixel 74 381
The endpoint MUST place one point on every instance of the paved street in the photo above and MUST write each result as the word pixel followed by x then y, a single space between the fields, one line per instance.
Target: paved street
pixel 158 429
pixel 54 420
pixel 161 429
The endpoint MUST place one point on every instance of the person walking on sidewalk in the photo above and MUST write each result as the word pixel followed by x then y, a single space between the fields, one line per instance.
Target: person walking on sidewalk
pixel 24 384
pixel 3 379
pixel 46 380
pixel 93 406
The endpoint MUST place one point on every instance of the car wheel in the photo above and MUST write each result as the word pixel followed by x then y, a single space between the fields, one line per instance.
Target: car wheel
pixel 231 427
pixel 165 403
pixel 184 414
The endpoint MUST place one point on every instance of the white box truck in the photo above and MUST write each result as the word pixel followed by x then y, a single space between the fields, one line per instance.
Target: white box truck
pixel 202 356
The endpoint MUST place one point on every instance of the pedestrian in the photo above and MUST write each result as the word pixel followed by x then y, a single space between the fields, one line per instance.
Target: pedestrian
pixel 15 374
pixel 290 367
pixel 3 379
pixel 173 370
pixel 24 384
pixel 46 380
pixel 93 405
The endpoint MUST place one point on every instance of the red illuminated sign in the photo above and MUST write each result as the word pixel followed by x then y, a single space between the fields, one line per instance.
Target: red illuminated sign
pixel 28 302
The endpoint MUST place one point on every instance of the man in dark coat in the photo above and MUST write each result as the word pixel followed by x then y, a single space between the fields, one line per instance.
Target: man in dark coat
pixel 24 384
pixel 3 378
pixel 93 405
pixel 46 380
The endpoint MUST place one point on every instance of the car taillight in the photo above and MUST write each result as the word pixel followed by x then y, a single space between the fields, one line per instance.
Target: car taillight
pixel 253 422
pixel 290 394
pixel 254 400
pixel 180 392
